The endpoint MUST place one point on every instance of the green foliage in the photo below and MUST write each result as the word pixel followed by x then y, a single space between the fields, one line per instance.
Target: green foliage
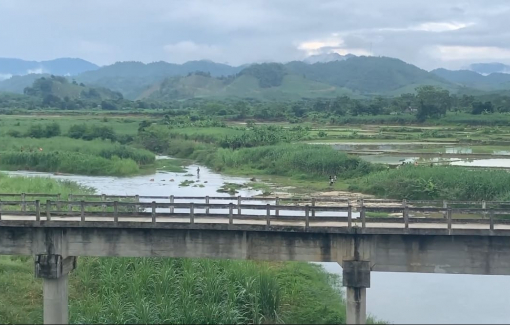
pixel 433 102
pixel 289 160
pixel 69 162
pixel 264 135
pixel 82 131
pixel 155 138
pixel 267 74
pixel 434 183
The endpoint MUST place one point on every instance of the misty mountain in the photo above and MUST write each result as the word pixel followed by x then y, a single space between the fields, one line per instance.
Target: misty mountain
pixel 369 75
pixel 327 57
pixel 276 85
pixel 467 78
pixel 63 67
pixel 132 78
pixel 17 84
pixel 60 87
pixel 488 68
pixel 356 77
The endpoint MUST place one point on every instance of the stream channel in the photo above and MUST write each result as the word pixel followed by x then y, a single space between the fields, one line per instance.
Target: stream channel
pixel 409 298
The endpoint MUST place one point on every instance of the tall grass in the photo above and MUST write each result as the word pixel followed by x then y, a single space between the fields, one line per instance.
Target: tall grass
pixel 287 160
pixel 178 291
pixel 22 184
pixel 69 162
pixel 175 291
pixel 102 148
pixel 450 183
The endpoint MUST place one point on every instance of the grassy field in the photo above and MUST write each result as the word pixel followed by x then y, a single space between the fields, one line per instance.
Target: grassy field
pixel 127 125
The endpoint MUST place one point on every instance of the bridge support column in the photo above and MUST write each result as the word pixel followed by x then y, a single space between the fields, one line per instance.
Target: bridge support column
pixel 54 270
pixel 356 279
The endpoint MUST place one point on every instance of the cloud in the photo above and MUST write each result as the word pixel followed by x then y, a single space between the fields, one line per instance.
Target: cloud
pixel 5 76
pixel 36 71
pixel 452 53
pixel 421 32
pixel 188 51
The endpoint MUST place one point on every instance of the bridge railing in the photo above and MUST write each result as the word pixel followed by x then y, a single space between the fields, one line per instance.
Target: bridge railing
pixel 363 216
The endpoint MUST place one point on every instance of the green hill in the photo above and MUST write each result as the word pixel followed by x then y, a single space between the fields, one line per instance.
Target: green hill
pixel 17 84
pixel 244 85
pixel 467 78
pixel 134 78
pixel 369 75
pixel 355 77
pixel 61 87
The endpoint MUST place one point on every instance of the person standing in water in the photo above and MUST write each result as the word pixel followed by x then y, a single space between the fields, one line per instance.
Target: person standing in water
pixel 198 171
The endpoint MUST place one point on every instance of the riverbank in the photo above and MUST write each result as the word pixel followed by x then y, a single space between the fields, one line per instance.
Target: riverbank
pixel 120 290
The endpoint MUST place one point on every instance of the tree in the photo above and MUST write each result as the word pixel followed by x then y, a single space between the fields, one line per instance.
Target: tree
pixel 433 102
pixel 478 108
pixel 108 106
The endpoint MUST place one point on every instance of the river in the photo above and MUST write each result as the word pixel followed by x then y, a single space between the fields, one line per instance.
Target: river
pixel 409 298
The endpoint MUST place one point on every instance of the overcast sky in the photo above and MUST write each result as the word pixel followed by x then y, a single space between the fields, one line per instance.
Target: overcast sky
pixel 428 33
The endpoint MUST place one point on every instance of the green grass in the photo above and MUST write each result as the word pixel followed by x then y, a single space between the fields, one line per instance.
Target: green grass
pixel 76 156
pixel 434 183
pixel 179 291
pixel 123 125
pixel 69 162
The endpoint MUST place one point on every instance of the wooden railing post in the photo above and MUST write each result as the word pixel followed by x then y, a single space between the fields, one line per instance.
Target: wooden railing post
pixel 484 207
pixel 449 216
pixel 153 213
pixel 23 203
pixel 192 213
pixel 48 208
pixel 491 216
pixel 349 215
pixel 445 206
pixel 103 199
pixel 59 204
pixel 172 202
pixel 82 211
pixel 268 216
pixel 405 213
pixel 307 217
pixel 362 213
pixel 231 213
pixel 69 205
pixel 116 212
pixel 0 209
pixel 37 210
pixel 207 202
pixel 239 205
pixel 137 200
pixel 277 204
pixel 313 207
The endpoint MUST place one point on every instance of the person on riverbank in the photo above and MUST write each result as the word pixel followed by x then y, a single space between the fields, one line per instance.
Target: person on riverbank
pixel 330 180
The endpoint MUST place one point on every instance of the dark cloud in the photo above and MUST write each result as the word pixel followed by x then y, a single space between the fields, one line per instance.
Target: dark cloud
pixel 449 33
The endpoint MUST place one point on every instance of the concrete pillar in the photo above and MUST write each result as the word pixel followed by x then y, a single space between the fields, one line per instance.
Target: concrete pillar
pixel 54 270
pixel 356 278
pixel 55 300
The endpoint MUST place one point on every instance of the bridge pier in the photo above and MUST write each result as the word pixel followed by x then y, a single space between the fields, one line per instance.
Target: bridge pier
pixel 54 270
pixel 356 279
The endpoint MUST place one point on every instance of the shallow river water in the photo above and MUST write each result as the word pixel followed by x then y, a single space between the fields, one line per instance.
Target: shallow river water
pixel 394 297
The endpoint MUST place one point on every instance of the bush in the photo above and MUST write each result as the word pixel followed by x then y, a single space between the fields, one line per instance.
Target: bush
pixel 431 183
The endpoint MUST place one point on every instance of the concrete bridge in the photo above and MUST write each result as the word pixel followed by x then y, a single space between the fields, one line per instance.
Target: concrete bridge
pixel 425 236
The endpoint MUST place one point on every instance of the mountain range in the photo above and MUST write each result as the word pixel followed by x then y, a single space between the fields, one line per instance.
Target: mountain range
pixel 61 67
pixel 327 75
